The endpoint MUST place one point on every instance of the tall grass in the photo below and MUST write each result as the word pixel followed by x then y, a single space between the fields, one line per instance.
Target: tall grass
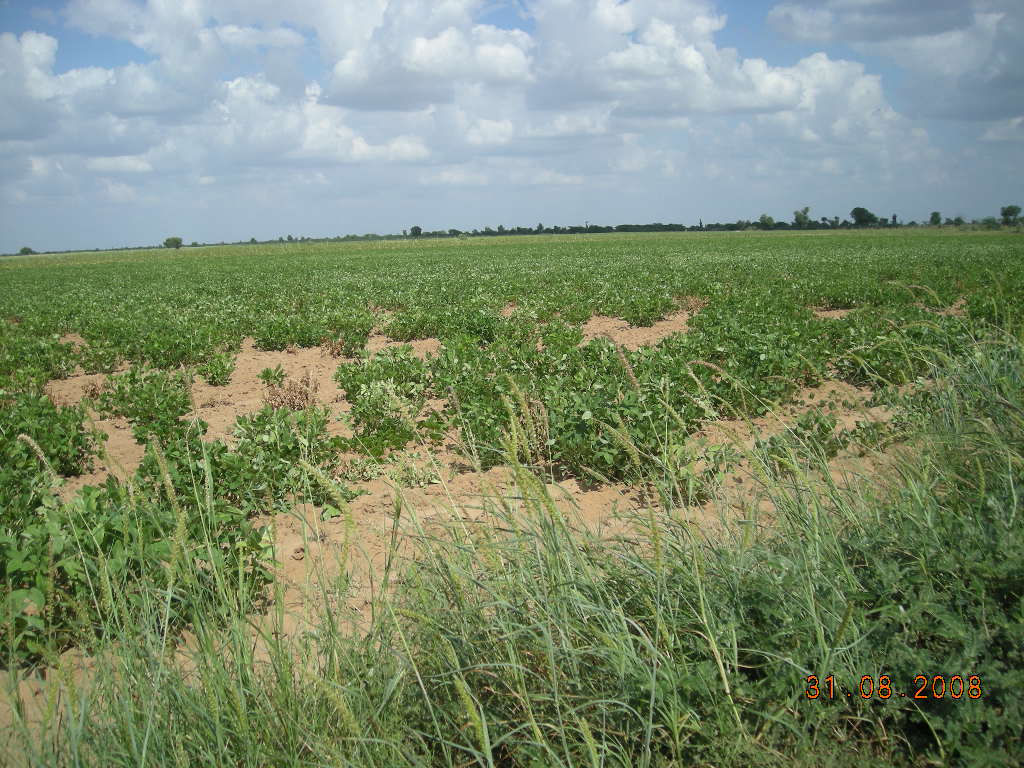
pixel 534 643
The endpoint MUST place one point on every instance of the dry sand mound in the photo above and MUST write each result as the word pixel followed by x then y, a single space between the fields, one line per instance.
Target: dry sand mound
pixel 633 337
pixel 830 314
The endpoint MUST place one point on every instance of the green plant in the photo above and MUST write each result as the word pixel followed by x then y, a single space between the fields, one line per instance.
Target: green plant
pixel 273 376
pixel 273 445
pixel 218 369
pixel 381 409
pixel 814 434
pixel 154 401
pixel 38 443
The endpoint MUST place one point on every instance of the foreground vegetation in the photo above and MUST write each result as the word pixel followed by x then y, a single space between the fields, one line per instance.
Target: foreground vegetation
pixel 531 642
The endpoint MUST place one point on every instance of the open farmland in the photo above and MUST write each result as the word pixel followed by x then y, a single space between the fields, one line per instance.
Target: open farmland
pixel 602 500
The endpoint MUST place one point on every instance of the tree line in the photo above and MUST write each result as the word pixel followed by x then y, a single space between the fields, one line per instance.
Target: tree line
pixel 859 218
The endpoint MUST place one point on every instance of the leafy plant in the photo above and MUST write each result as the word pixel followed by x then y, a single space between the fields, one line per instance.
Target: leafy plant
pixel 38 442
pixel 154 401
pixel 218 369
pixel 273 376
pixel 273 450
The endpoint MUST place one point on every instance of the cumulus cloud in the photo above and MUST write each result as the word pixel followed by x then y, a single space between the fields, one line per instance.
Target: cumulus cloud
pixel 25 86
pixel 402 67
pixel 868 20
pixel 964 56
pixel 1006 130
pixel 120 164
pixel 357 103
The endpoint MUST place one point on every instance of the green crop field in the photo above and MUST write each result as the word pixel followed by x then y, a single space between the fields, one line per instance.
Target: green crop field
pixel 873 382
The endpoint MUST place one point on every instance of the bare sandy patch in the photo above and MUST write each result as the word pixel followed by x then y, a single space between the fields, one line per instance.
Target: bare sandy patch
pixel 847 403
pixel 625 335
pixel 957 309
pixel 245 392
pixel 379 530
pixel 743 488
pixel 421 348
pixel 74 389
pixel 823 313
pixel 308 372
pixel 119 455
pixel 75 340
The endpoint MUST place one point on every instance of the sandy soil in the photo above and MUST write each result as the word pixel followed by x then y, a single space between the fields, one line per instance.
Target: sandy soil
pixel 120 455
pixel 633 337
pixel 313 553
pixel 830 314
pixel 343 561
pixel 74 389
pixel 359 541
pixel 219 407
pixel 956 309
pixel 74 339
pixel 244 393
pixel 742 488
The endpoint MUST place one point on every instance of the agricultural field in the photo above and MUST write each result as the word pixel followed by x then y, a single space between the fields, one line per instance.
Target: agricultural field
pixel 595 500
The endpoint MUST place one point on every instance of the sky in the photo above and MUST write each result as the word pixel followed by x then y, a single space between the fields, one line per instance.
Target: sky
pixel 123 122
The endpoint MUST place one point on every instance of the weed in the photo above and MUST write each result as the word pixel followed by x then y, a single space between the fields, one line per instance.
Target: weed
pixel 295 395
pixel 273 377
pixel 218 369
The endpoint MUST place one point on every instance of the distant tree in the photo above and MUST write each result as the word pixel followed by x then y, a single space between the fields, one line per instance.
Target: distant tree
pixel 252 240
pixel 172 242
pixel 894 219
pixel 501 229
pixel 195 244
pixel 862 217
pixel 948 222
pixel 1010 214
pixel 801 218
pixel 416 231
pixel 766 221
pixel 26 251
pixel 539 229
pixel 290 238
pixel 935 219
pixel 959 221
pixel 454 232
pixel 990 222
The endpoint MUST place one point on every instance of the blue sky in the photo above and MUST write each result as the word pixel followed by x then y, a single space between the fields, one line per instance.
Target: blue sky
pixel 127 121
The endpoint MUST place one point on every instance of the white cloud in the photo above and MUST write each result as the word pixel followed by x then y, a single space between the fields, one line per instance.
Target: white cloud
pixel 441 56
pixel 26 89
pixel 455 177
pixel 485 132
pixel 867 20
pixel 963 56
pixel 252 37
pixel 118 192
pixel 1005 130
pixel 271 109
pixel 120 164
